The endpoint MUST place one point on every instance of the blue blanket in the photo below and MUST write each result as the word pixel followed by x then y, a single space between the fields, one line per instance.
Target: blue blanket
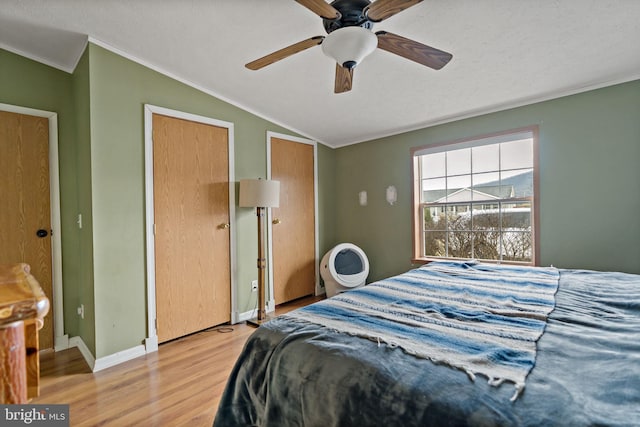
pixel 586 373
pixel 481 318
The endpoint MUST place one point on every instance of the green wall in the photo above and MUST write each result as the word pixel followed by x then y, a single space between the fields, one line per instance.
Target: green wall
pixel 119 90
pixel 83 255
pixel 589 149
pixel 101 126
pixel 27 83
pixel 326 200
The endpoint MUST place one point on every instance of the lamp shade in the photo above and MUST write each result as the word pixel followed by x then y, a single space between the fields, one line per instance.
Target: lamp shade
pixel 349 45
pixel 259 193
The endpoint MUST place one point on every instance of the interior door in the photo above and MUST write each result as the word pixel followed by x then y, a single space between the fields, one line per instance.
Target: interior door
pixel 192 239
pixel 25 214
pixel 293 228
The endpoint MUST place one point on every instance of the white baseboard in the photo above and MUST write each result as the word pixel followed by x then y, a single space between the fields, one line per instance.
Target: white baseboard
pixel 108 361
pixel 235 317
pixel 151 344
pixel 61 343
pixel 119 357
pixel 84 350
pixel 243 317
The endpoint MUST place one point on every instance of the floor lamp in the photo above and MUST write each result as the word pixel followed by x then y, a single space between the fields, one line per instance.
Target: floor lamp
pixel 260 194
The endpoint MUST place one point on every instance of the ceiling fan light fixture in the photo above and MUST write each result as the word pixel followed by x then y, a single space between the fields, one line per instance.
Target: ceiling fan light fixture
pixel 348 46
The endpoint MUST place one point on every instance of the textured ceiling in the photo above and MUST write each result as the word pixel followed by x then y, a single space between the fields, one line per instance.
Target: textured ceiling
pixel 505 54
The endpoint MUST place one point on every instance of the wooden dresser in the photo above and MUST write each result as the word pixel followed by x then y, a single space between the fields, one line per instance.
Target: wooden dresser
pixel 23 306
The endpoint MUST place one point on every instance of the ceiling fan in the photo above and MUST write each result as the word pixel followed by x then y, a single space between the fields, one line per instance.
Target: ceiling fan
pixel 348 24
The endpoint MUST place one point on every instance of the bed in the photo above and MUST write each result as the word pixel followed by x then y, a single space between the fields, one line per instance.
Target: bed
pixel 524 346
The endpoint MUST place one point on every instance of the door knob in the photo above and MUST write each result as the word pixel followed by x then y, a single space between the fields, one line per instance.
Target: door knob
pixel 42 233
pixel 276 221
pixel 224 226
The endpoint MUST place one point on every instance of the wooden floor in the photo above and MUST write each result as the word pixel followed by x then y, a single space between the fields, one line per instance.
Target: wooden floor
pixel 178 385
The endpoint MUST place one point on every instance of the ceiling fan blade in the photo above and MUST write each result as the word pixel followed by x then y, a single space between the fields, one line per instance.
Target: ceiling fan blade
pixel 344 78
pixel 410 49
pixel 321 8
pixel 284 52
pixel 383 9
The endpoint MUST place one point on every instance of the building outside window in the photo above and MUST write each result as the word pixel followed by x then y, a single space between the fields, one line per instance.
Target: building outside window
pixel 477 198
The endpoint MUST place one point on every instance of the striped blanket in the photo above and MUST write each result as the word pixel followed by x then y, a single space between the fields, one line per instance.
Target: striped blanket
pixel 481 318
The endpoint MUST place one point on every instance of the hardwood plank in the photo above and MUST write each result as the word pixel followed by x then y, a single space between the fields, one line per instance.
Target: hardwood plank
pixel 181 384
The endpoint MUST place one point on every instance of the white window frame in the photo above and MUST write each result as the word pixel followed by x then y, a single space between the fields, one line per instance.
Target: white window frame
pixel 419 204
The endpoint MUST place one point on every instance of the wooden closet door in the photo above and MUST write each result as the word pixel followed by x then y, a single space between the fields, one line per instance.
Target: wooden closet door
pixel 25 202
pixel 191 211
pixel 293 229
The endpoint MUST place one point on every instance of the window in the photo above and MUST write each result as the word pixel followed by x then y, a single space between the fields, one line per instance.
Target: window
pixel 476 198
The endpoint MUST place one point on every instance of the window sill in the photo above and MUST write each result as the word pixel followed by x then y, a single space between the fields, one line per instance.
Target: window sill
pixel 427 260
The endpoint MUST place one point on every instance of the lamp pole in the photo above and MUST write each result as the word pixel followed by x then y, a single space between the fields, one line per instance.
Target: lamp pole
pixel 262 264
